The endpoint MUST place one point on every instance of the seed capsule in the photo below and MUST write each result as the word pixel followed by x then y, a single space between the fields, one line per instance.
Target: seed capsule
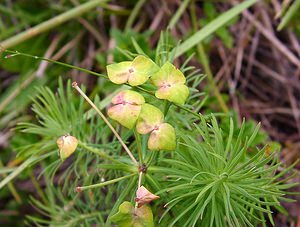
pixel 67 145
pixel 143 196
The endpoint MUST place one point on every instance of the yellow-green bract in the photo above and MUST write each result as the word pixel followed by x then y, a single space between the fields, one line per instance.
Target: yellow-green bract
pixel 67 145
pixel 162 135
pixel 127 107
pixel 171 84
pixel 128 216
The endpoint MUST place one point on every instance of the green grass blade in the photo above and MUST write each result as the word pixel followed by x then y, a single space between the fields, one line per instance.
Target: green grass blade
pixel 178 14
pixel 292 11
pixel 20 169
pixel 212 27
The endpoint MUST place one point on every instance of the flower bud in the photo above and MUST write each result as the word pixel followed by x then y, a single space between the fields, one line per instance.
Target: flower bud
pixel 67 145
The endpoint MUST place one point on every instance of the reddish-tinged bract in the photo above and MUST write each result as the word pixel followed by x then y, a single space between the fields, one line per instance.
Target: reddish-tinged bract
pixel 143 196
pixel 127 108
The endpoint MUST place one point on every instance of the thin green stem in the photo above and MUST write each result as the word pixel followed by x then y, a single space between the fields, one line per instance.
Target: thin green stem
pixel 51 23
pixel 139 145
pixel 139 185
pixel 150 159
pixel 82 188
pixel 291 12
pixel 167 106
pixel 187 110
pixel 98 152
pixel 140 179
pixel 74 84
pixel 16 53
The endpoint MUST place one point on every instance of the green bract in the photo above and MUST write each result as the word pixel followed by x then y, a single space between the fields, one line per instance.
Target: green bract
pixel 162 138
pixel 171 84
pixel 150 118
pixel 128 216
pixel 134 72
pixel 162 135
pixel 127 108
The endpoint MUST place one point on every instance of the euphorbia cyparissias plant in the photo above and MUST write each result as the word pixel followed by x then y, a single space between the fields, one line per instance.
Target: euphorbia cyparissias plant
pixel 134 72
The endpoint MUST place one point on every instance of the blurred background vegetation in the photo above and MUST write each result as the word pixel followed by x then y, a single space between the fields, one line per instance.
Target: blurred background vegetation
pixel 252 68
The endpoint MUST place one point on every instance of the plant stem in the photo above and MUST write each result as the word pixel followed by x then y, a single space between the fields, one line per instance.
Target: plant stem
pixel 51 23
pixel 140 179
pixel 74 84
pixel 139 145
pixel 16 53
pixel 8 99
pixel 82 188
pixel 167 106
pixel 98 152
pixel 150 159
pixel 139 185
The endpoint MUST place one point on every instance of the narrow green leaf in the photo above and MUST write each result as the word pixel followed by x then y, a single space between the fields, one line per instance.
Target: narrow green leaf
pixel 292 11
pixel 24 165
pixel 178 13
pixel 212 27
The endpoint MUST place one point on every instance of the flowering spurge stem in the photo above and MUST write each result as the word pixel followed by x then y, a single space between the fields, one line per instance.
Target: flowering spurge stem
pixel 13 53
pixel 99 152
pixel 139 145
pixel 139 185
pixel 74 84
pixel 82 188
